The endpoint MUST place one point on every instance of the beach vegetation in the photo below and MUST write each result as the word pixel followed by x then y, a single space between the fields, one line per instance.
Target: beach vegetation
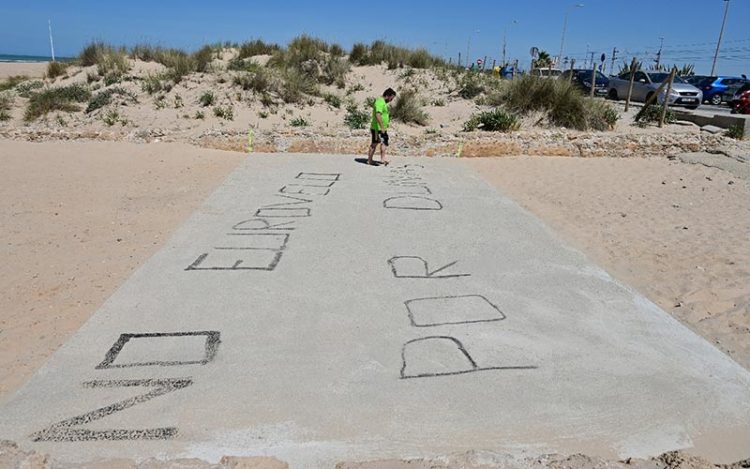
pixel 200 114
pixel 296 85
pixel 379 52
pixel 495 120
pixel 56 99
pixel 356 118
pixel 104 98
pixel 207 99
pixel 111 117
pixel 257 47
pixel 652 114
pixel 226 113
pixel 27 88
pixel 153 83
pixel 735 131
pixel 299 122
pixel 332 99
pixel 408 108
pixel 56 69
pixel 13 81
pixel 6 104
pixel 562 103
pixel 259 81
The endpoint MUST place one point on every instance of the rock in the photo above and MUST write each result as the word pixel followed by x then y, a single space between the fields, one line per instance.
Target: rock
pixel 712 129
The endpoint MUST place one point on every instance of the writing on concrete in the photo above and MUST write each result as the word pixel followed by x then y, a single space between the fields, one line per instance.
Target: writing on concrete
pixel 258 243
pixel 438 354
pixel 144 344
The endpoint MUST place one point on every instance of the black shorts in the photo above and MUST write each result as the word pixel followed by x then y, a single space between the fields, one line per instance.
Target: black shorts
pixel 379 137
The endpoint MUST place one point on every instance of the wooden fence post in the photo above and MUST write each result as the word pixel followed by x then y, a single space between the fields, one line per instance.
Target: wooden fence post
pixel 630 87
pixel 666 97
pixel 593 78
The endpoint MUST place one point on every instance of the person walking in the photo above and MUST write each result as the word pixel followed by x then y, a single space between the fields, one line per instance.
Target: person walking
pixel 379 126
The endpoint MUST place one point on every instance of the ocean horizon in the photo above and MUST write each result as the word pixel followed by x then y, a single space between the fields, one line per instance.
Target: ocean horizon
pixel 30 58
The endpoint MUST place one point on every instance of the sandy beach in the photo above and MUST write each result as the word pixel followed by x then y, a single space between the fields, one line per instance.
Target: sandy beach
pixel 85 203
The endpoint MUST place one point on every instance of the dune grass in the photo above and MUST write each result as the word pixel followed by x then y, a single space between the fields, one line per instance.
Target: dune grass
pixel 12 81
pixel 56 99
pixel 56 69
pixel 564 105
pixel 408 108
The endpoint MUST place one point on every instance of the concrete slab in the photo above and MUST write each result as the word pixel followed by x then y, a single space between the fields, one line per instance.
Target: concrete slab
pixel 317 309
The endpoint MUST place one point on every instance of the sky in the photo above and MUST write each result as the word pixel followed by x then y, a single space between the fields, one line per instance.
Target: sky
pixel 689 28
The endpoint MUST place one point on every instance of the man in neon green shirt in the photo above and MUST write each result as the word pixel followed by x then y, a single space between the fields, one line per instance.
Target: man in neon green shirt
pixel 379 126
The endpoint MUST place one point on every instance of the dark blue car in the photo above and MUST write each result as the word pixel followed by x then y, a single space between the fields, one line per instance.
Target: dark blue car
pixel 719 89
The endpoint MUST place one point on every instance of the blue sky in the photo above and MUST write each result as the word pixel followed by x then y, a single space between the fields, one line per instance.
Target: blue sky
pixel 690 28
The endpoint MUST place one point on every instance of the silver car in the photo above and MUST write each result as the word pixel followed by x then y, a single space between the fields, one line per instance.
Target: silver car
pixel 646 84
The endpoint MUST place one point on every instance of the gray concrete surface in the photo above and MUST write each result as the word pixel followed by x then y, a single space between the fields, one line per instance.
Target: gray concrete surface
pixel 316 309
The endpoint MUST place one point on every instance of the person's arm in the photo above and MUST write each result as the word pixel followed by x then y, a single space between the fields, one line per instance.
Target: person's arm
pixel 379 118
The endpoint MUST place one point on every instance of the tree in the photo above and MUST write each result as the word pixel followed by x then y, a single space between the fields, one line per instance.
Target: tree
pixel 543 60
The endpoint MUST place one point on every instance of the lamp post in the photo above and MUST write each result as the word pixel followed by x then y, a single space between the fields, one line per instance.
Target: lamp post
pixel 505 38
pixel 565 26
pixel 468 46
pixel 721 34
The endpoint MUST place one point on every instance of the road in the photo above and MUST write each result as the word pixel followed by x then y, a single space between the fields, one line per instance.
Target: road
pixel 317 309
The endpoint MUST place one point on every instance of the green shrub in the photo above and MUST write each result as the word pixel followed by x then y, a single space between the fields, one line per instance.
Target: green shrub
pixel 736 132
pixel 111 117
pixel 600 115
pixel 152 84
pixel 110 61
pixel 257 47
pixel 200 115
pixel 299 122
pixel 207 99
pixel 652 113
pixel 259 81
pixel 226 113
pixel 356 118
pixel 6 104
pixel 332 99
pixel 296 85
pixel 334 71
pixel 202 58
pixel 28 88
pixel 409 109
pixel 438 102
pixel 358 54
pixel 471 86
pixel 492 121
pixel 243 65
pixel 336 50
pixel 13 81
pixel 56 99
pixel 103 98
pixel 420 58
pixel 56 69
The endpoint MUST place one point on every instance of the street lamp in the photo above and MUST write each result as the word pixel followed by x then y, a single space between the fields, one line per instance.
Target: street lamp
pixel 721 34
pixel 505 38
pixel 468 46
pixel 565 26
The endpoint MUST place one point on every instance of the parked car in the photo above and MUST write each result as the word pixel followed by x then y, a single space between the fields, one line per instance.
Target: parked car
pixel 545 72
pixel 742 104
pixel 716 90
pixel 695 79
pixel 582 79
pixel 738 94
pixel 646 84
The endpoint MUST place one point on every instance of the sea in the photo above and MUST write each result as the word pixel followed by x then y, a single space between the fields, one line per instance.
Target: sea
pixel 30 58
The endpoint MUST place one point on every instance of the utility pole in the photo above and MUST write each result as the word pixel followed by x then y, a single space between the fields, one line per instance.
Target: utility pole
pixel 565 27
pixel 614 56
pixel 721 34
pixel 51 44
pixel 505 39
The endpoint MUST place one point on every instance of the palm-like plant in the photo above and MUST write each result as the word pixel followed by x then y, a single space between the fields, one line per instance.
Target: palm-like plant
pixel 543 60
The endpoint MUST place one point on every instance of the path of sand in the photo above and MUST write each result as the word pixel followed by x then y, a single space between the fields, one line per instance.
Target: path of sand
pixel 77 219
